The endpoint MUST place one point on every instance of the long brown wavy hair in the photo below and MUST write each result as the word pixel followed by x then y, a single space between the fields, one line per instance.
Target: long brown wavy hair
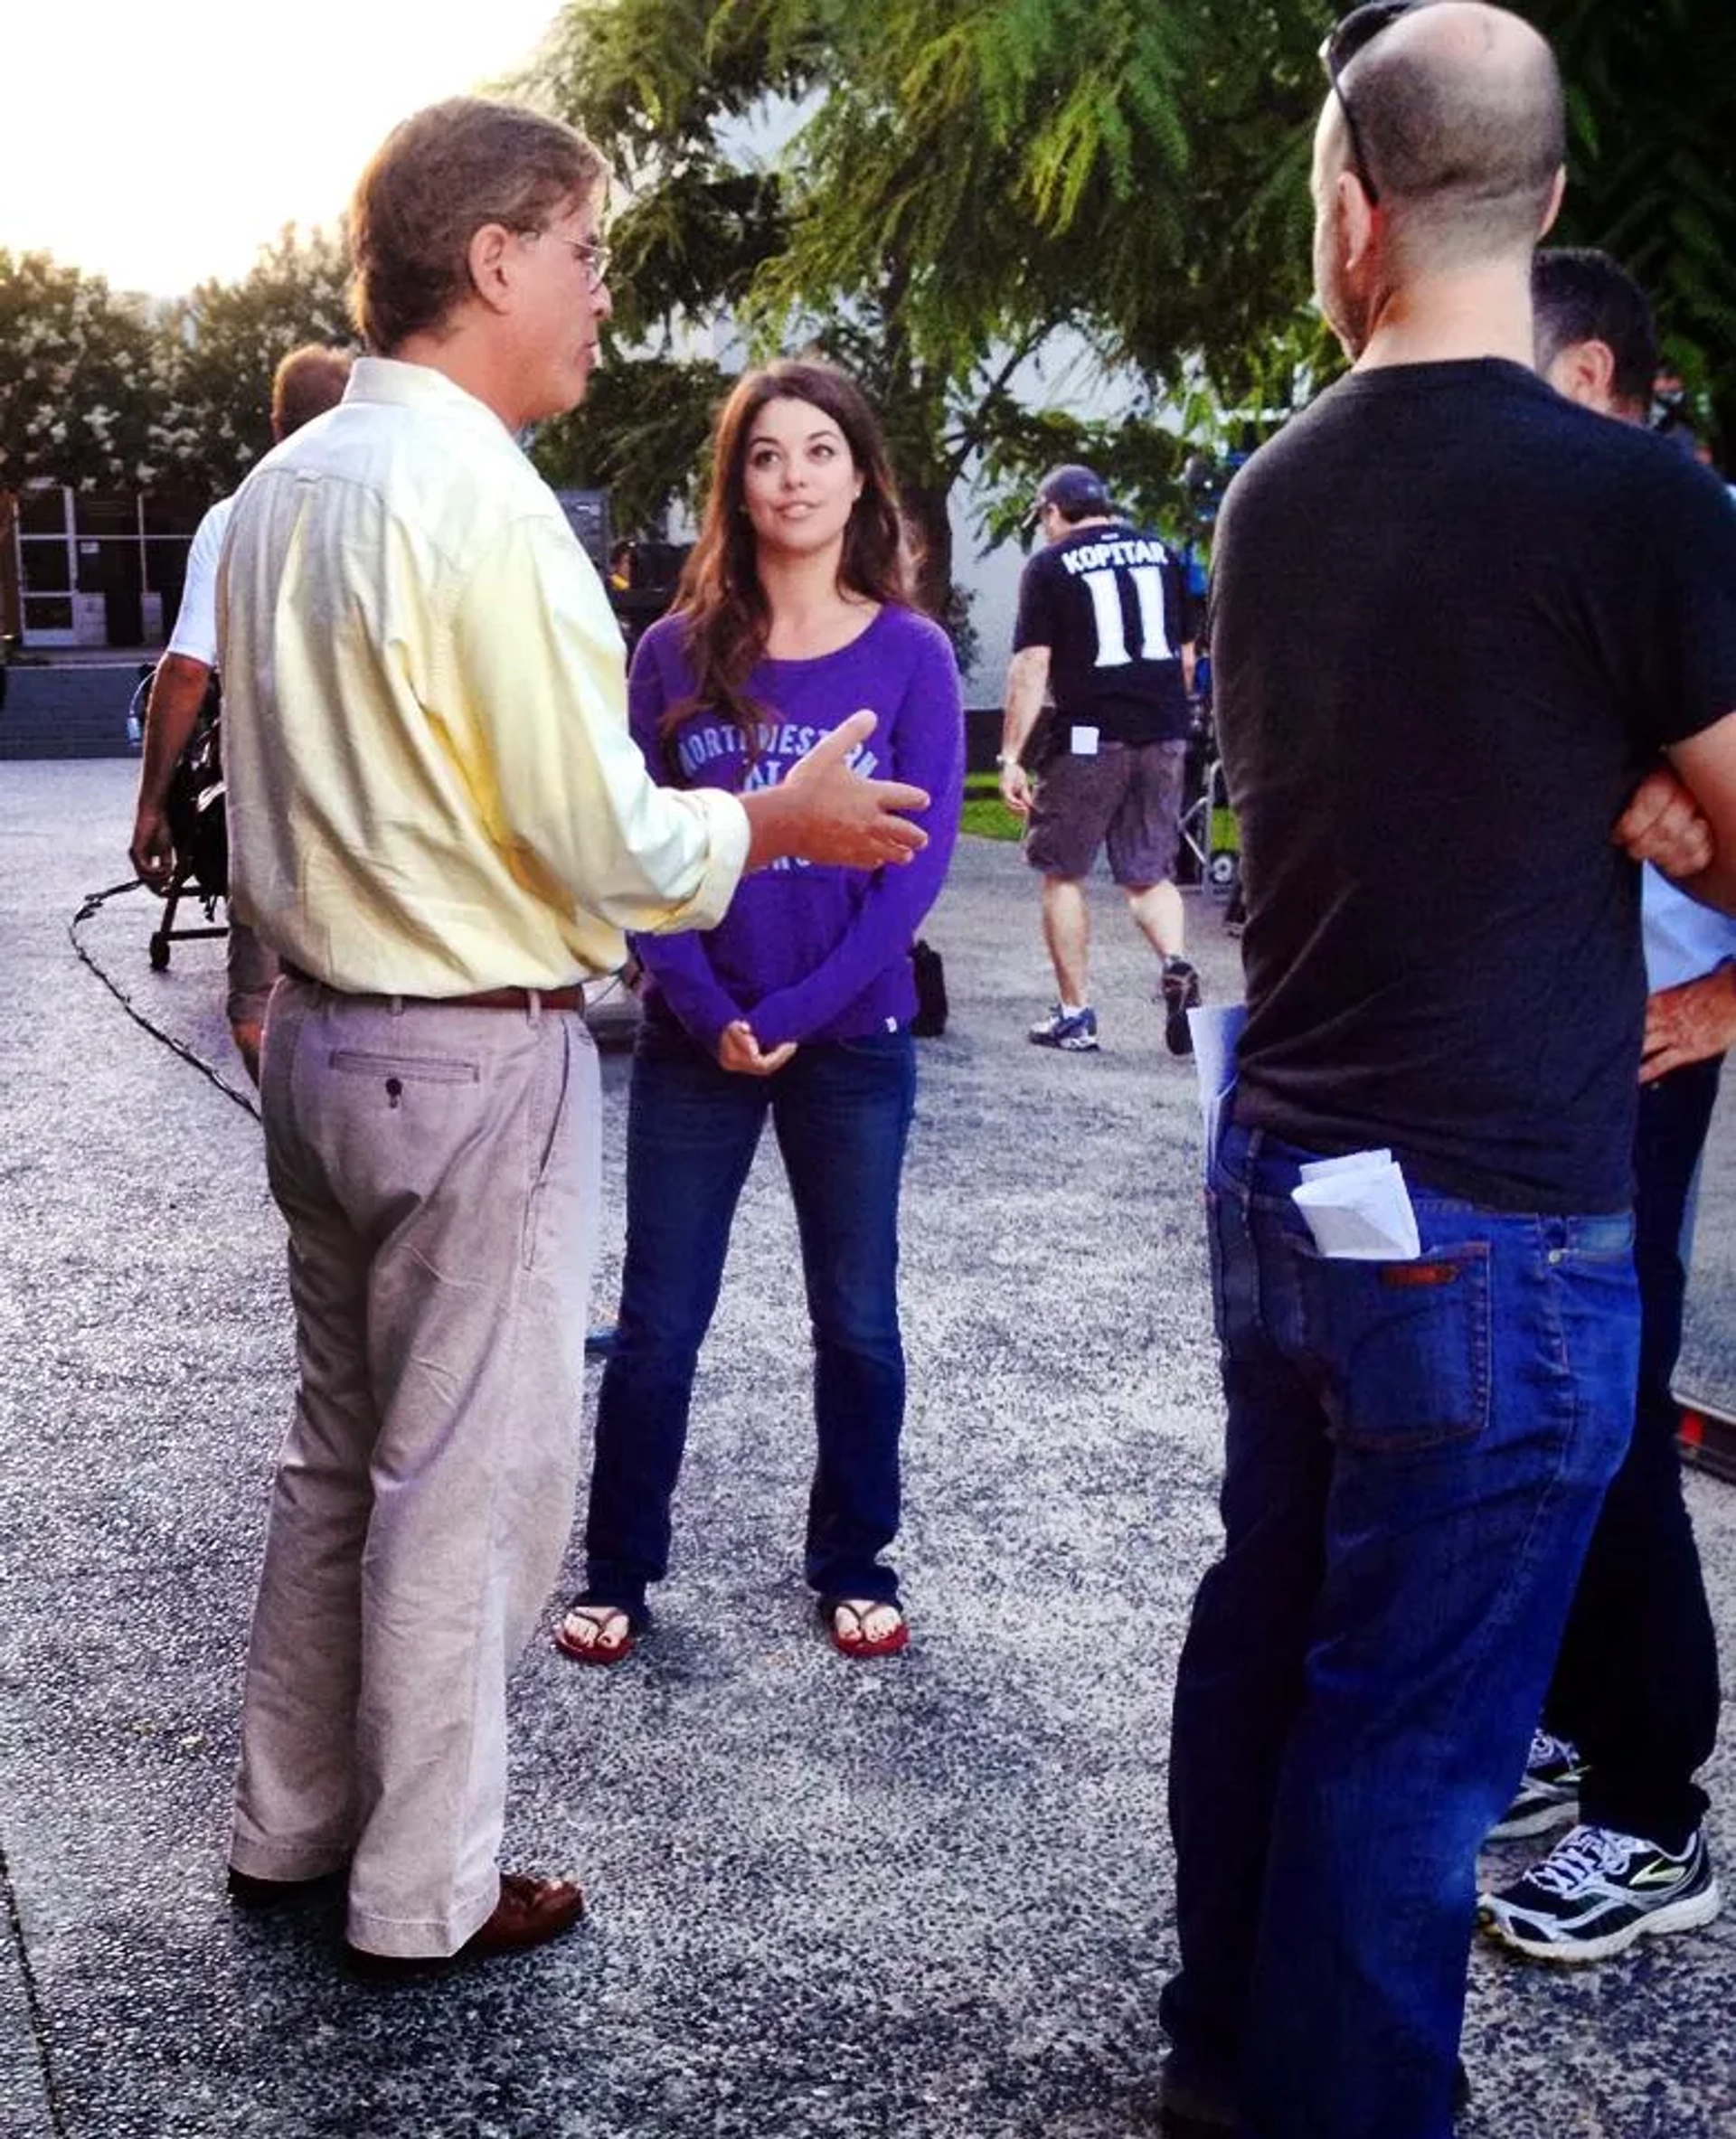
pixel 721 596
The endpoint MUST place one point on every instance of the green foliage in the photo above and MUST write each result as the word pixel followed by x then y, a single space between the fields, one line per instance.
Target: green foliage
pixel 222 345
pixel 935 192
pixel 113 393
pixel 982 815
pixel 640 434
pixel 694 244
pixel 1140 456
pixel 653 80
pixel 76 378
pixel 1651 167
pixel 1025 163
pixel 932 191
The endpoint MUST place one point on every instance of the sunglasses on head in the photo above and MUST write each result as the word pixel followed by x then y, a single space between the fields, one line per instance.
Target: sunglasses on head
pixel 1357 32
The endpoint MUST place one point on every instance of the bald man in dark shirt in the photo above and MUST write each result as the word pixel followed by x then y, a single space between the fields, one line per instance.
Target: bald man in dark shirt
pixel 1451 688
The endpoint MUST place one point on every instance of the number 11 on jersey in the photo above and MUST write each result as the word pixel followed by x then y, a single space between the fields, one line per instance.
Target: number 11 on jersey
pixel 1106 603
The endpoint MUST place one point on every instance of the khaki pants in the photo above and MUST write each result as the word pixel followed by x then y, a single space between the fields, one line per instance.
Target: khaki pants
pixel 438 1170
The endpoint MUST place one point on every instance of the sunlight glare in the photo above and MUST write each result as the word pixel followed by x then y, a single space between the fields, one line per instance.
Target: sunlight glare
pixel 161 143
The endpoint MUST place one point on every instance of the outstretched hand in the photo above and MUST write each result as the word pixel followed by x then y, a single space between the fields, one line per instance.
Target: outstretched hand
pixel 842 817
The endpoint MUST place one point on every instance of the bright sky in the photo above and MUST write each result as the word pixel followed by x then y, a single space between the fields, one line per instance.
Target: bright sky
pixel 158 142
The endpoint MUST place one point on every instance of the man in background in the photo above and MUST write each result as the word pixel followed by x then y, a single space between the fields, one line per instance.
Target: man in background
pixel 1632 1710
pixel 1448 681
pixel 1102 625
pixel 306 383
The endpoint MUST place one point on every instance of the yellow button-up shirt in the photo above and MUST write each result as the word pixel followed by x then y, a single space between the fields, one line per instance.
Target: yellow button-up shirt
pixel 431 789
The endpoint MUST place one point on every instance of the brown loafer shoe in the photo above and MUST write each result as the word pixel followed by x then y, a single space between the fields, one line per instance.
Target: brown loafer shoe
pixel 530 1910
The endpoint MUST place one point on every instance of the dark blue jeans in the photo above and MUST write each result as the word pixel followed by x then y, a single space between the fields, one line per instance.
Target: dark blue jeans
pixel 1636 1687
pixel 1414 1458
pixel 841 1112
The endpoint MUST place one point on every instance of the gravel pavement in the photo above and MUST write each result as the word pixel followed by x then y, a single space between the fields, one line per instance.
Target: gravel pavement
pixel 928 1899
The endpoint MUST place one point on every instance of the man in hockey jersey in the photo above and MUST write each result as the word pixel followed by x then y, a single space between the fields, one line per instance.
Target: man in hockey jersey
pixel 1102 628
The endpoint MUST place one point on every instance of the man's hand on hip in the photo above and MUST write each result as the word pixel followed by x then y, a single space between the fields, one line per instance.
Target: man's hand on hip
pixel 1690 1023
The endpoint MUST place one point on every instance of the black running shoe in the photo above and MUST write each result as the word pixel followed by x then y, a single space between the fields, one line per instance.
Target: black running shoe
pixel 1549 1791
pixel 1597 1891
pixel 1178 992
pixel 1074 1033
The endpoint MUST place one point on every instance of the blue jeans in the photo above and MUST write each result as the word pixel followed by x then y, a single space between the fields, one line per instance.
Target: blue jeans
pixel 1636 1687
pixel 841 1112
pixel 1415 1454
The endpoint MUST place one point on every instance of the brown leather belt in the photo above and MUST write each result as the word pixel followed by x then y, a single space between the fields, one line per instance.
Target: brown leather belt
pixel 570 997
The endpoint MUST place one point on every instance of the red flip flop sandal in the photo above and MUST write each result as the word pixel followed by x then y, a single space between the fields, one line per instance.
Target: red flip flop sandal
pixel 599 1649
pixel 845 1620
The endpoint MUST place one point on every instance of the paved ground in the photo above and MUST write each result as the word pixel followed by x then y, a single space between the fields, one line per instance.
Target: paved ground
pixel 929 1900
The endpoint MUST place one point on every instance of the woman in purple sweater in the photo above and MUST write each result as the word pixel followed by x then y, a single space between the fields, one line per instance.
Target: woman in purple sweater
pixel 795 612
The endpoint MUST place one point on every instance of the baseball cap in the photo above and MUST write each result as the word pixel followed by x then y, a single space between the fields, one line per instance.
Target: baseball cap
pixel 1075 490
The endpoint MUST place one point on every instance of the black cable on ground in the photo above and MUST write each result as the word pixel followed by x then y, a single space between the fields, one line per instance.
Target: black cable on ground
pixel 94 902
pixel 14 1931
pixel 599 1342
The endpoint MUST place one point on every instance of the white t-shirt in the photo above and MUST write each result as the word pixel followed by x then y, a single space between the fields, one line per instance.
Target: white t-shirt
pixel 195 624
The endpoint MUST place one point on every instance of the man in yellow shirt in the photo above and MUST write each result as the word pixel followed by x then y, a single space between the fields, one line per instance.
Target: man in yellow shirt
pixel 438 821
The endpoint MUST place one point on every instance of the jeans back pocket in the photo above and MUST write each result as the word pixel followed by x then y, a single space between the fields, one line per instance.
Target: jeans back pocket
pixel 1402 1350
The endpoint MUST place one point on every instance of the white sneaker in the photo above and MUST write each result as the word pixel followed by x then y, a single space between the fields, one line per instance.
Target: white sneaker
pixel 1597 1891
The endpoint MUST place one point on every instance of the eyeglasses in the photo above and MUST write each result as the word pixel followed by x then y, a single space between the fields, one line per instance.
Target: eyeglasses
pixel 1355 33
pixel 594 256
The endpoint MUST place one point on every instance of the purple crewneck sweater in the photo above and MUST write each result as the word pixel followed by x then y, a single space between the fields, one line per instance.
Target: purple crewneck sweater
pixel 807 953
